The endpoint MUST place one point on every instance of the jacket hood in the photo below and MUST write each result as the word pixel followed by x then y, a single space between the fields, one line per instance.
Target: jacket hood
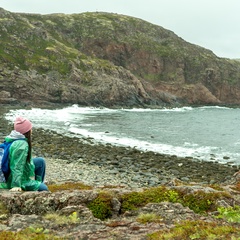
pixel 14 135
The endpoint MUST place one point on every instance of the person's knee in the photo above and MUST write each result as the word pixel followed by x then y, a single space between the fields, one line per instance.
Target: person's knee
pixel 39 161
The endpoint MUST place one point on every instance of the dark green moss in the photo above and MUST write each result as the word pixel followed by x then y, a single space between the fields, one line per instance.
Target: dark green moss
pixel 134 200
pixel 199 201
pixel 101 207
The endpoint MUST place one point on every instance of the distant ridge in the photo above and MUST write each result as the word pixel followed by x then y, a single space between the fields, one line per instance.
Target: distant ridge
pixel 106 59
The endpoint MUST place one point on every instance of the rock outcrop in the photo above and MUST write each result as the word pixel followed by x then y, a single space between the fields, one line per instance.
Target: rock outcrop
pixel 106 59
pixel 70 215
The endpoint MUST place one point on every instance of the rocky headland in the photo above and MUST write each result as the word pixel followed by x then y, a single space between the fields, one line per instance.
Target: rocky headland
pixel 106 59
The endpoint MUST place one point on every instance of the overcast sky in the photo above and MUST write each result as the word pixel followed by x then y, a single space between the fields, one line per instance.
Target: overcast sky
pixel 212 24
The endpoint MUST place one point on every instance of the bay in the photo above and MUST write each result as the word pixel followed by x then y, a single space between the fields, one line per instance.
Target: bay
pixel 206 133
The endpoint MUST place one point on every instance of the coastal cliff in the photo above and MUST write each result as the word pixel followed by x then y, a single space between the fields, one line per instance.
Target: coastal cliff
pixel 106 59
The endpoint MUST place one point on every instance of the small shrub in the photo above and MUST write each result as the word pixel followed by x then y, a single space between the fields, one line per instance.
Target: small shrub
pixel 132 201
pixel 171 196
pixel 101 206
pixel 156 194
pixel 201 201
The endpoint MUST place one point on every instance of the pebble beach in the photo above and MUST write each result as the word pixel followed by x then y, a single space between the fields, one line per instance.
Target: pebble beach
pixel 73 159
pixel 82 160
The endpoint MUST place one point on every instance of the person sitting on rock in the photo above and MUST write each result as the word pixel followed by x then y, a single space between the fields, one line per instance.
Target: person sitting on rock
pixel 25 173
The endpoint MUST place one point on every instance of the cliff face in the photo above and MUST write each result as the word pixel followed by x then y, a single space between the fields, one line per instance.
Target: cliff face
pixel 109 60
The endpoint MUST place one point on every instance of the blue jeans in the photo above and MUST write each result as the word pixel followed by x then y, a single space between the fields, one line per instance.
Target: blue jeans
pixel 40 168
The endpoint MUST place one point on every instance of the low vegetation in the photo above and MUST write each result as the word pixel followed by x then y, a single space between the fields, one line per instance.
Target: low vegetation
pixel 101 207
pixel 231 214
pixel 198 201
pixel 68 186
pixel 197 230
pixel 225 225
pixel 62 219
pixel 28 234
pixel 148 218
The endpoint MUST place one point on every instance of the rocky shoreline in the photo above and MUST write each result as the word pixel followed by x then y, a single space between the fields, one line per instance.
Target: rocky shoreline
pixel 110 165
pixel 71 158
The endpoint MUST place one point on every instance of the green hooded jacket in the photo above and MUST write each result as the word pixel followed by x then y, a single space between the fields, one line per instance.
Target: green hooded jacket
pixel 21 172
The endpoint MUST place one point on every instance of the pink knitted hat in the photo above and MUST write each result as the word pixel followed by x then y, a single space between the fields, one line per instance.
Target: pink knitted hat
pixel 22 125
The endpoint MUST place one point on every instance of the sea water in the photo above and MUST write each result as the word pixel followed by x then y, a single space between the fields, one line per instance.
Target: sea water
pixel 207 133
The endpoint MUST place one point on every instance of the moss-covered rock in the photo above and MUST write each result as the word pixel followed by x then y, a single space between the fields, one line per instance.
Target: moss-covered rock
pixel 106 211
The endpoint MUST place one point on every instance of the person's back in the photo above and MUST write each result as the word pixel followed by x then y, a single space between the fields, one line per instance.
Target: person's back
pixel 25 173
